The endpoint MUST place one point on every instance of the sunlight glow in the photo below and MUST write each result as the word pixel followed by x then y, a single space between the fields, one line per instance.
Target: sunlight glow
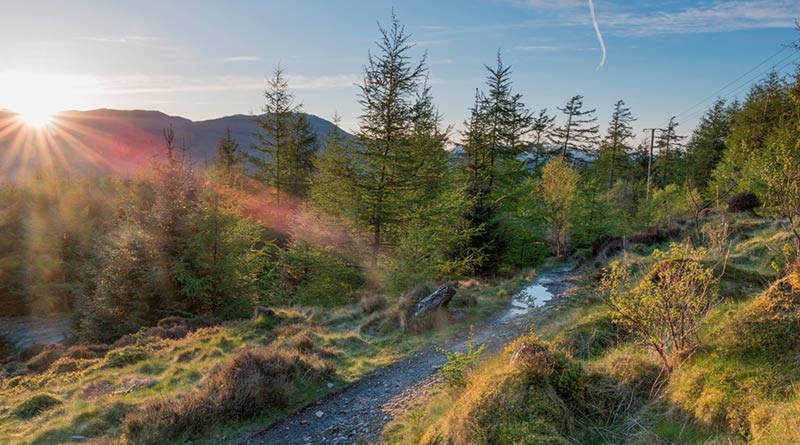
pixel 36 98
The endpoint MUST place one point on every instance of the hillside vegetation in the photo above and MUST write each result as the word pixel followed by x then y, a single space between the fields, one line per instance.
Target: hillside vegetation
pixel 681 328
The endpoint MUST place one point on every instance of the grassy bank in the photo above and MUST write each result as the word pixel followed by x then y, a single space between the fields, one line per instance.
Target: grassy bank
pixel 154 388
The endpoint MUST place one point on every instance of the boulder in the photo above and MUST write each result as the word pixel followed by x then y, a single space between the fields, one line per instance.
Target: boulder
pixel 439 298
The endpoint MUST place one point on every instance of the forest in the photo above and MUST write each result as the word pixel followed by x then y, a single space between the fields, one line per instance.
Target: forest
pixel 324 236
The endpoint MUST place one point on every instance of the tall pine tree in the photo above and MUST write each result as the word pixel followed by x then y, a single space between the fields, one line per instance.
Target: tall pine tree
pixel 283 155
pixel 615 151
pixel 579 130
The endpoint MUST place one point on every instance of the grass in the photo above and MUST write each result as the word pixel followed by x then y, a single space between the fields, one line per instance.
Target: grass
pixel 739 387
pixel 119 391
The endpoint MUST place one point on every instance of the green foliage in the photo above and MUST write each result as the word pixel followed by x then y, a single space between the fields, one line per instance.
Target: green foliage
pixel 118 358
pixel 316 276
pixel 35 406
pixel 225 266
pixel 455 370
pixel 666 308
pixel 559 191
pixel 286 145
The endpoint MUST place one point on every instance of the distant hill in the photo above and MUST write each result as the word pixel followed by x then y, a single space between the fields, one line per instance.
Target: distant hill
pixel 121 140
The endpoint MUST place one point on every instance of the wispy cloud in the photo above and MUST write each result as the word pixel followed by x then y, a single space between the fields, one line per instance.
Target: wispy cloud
pixel 119 40
pixel 657 18
pixel 538 48
pixel 242 59
pixel 143 84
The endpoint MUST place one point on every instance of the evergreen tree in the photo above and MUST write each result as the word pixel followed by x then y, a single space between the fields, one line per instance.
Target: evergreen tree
pixel 388 170
pixel 578 131
pixel 541 134
pixel 303 144
pixel 669 166
pixel 228 158
pixel 615 151
pixel 707 144
pixel 506 121
pixel 286 142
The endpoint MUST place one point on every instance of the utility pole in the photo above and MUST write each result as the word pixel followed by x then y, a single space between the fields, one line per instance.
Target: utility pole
pixel 650 158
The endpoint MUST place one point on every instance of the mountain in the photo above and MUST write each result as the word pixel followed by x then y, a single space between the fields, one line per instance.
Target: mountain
pixel 120 140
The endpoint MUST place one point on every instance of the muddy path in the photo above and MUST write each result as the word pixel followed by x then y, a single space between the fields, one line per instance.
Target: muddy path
pixel 358 413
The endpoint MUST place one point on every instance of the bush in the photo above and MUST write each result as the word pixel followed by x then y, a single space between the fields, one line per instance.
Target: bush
pixel 130 355
pixel 743 202
pixel 372 303
pixel 252 383
pixel 42 361
pixel 35 406
pixel 454 371
pixel 666 308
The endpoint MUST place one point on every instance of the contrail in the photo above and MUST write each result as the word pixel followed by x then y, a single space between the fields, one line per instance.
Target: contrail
pixel 599 36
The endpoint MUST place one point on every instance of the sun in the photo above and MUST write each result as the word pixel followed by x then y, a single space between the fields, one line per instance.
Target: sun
pixel 35 118
pixel 37 98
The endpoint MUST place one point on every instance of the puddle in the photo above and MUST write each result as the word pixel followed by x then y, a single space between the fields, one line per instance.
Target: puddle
pixel 534 295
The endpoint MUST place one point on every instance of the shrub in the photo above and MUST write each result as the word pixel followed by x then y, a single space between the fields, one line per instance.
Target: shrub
pixel 35 406
pixel 743 202
pixel 130 355
pixel 372 303
pixel 42 361
pixel 454 371
pixel 252 383
pixel 667 307
pixel 86 352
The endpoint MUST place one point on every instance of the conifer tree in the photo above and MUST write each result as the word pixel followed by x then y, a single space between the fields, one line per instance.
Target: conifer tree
pixel 578 131
pixel 669 166
pixel 615 151
pixel 506 121
pixel 228 156
pixel 286 142
pixel 541 133
pixel 389 169
pixel 707 144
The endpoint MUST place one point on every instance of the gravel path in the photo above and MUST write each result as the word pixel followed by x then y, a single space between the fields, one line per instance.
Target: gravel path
pixel 358 413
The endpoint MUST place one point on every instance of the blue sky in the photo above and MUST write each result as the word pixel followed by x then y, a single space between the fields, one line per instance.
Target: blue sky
pixel 203 59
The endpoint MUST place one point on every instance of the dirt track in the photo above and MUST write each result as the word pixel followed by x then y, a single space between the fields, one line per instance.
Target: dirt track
pixel 358 413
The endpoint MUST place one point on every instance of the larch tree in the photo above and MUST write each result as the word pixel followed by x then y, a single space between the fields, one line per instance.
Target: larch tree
pixel 707 143
pixel 669 166
pixel 579 130
pixel 399 151
pixel 542 126
pixel 286 143
pixel 229 158
pixel 506 121
pixel 615 151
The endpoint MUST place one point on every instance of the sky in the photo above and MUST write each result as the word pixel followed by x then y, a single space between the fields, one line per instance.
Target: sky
pixel 204 59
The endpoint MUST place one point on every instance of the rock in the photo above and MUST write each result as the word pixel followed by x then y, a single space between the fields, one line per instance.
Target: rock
pixel 330 385
pixel 319 414
pixel 439 298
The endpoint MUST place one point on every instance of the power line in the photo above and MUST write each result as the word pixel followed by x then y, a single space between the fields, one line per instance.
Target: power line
pixel 777 67
pixel 715 93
